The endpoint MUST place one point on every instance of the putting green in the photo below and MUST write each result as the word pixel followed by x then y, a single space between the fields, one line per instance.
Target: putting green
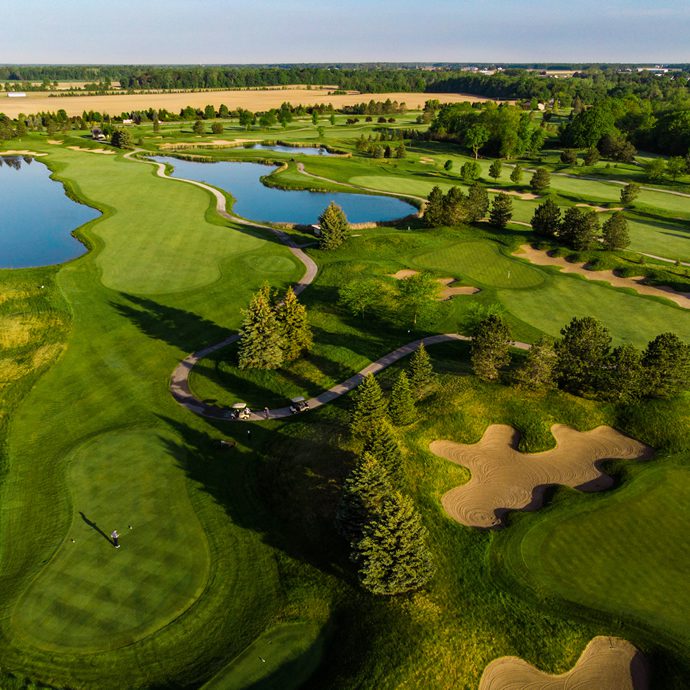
pixel 626 553
pixel 481 263
pixel 93 596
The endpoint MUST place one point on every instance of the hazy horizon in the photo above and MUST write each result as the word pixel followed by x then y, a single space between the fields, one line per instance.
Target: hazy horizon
pixel 176 32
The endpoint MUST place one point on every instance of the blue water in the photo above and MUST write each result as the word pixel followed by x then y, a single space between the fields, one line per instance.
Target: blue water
pixel 305 150
pixel 36 217
pixel 258 202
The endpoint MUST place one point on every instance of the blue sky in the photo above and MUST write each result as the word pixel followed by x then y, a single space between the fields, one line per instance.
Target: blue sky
pixel 262 31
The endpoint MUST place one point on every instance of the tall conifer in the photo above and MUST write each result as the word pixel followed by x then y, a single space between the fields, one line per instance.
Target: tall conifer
pixel 261 342
pixel 294 327
pixel 401 406
pixel 370 406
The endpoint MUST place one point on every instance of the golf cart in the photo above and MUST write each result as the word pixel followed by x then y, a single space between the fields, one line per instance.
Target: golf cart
pixel 298 404
pixel 241 411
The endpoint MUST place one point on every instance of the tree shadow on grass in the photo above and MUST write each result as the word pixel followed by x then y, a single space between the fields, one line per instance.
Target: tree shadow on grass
pixel 280 483
pixel 177 327
pixel 96 528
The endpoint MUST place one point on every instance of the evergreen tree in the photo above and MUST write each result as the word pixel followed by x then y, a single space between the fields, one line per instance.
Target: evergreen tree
pixel 470 171
pixel 434 213
pixel 198 127
pixel 579 229
pixel 629 193
pixel 477 203
pixel 592 156
pixel 448 165
pixel 495 168
pixel 490 347
pixel 121 138
pixel 501 210
pixel 666 366
pixel 334 227
pixel 537 371
pixel 581 354
pixel 401 406
pixel 363 490
pixel 393 555
pixel 370 406
pixel 421 371
pixel 294 326
pixel 516 175
pixel 621 379
pixel 261 341
pixel 380 441
pixel 615 232
pixel 541 180
pixel 546 220
pixel 454 207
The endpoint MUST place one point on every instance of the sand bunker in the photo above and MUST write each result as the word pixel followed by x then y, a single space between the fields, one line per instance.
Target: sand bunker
pixel 217 143
pixel 606 663
pixel 107 152
pixel 404 273
pixel 427 161
pixel 600 209
pixel 21 153
pixel 54 141
pixel 525 196
pixel 504 479
pixel 447 291
pixel 535 256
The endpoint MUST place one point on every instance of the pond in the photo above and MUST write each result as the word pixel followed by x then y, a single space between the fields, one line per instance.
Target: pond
pixel 37 217
pixel 256 201
pixel 300 150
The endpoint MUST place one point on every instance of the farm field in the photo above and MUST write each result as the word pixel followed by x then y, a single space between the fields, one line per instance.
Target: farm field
pixel 220 582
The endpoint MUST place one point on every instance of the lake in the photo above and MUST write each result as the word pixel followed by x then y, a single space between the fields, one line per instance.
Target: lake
pixel 36 216
pixel 300 150
pixel 256 201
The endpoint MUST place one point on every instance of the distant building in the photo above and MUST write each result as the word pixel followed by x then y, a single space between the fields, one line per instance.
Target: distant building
pixel 16 94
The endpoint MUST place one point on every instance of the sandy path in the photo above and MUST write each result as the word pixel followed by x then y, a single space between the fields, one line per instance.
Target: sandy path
pixel 607 663
pixel 536 256
pixel 504 479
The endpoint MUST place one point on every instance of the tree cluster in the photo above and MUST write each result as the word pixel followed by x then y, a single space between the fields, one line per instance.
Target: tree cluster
pixel 455 206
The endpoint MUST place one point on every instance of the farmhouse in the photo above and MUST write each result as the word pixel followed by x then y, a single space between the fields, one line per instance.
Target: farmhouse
pixel 16 94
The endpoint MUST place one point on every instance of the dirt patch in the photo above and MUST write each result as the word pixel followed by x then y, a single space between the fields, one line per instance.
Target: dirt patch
pixel 107 152
pixel 525 196
pixel 600 209
pixel 404 273
pixel 504 479
pixel 447 292
pixel 607 662
pixel 21 153
pixel 536 256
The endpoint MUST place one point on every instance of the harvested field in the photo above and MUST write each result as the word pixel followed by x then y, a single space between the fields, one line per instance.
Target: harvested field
pixel 536 256
pixel 107 152
pixel 504 479
pixel 607 662
pixel 253 100
pixel 600 209
pixel 525 196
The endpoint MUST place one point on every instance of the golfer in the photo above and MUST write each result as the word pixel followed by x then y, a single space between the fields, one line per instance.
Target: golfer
pixel 115 537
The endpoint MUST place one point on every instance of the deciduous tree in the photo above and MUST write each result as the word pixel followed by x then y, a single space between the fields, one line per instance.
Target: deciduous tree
pixel 581 354
pixel 537 371
pixel 666 366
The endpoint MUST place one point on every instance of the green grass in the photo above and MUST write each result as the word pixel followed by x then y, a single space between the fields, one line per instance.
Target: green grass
pixel 624 553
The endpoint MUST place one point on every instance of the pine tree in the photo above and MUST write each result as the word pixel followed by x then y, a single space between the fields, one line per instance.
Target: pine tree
pixel 629 193
pixel 615 232
pixel 393 555
pixel 421 370
pixel 579 228
pixel 477 203
pixel 294 327
pixel 621 379
pixel 490 347
pixel 401 406
pixel 380 441
pixel 546 220
pixel 370 406
pixel 122 138
pixel 454 207
pixel 501 210
pixel 334 227
pixel 434 210
pixel 666 366
pixel 538 370
pixel 516 175
pixel 495 168
pixel 261 342
pixel 541 180
pixel 363 490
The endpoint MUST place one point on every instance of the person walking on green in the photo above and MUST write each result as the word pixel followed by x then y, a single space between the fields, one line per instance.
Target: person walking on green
pixel 115 537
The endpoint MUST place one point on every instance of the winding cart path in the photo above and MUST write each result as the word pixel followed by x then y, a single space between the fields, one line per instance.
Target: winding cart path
pixel 179 381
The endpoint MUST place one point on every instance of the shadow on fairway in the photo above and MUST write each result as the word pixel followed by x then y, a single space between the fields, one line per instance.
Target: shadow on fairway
pixel 176 327
pixel 96 528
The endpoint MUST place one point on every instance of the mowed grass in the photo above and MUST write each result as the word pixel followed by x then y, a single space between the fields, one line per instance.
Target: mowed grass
pixel 625 553
pixel 94 596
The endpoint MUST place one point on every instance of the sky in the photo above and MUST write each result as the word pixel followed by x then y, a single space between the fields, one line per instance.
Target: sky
pixel 283 31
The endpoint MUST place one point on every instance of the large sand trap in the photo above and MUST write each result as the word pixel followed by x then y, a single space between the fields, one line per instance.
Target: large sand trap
pixel 608 663
pixel 21 153
pixel 107 152
pixel 504 479
pixel 535 256
pixel 446 291
pixel 525 196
